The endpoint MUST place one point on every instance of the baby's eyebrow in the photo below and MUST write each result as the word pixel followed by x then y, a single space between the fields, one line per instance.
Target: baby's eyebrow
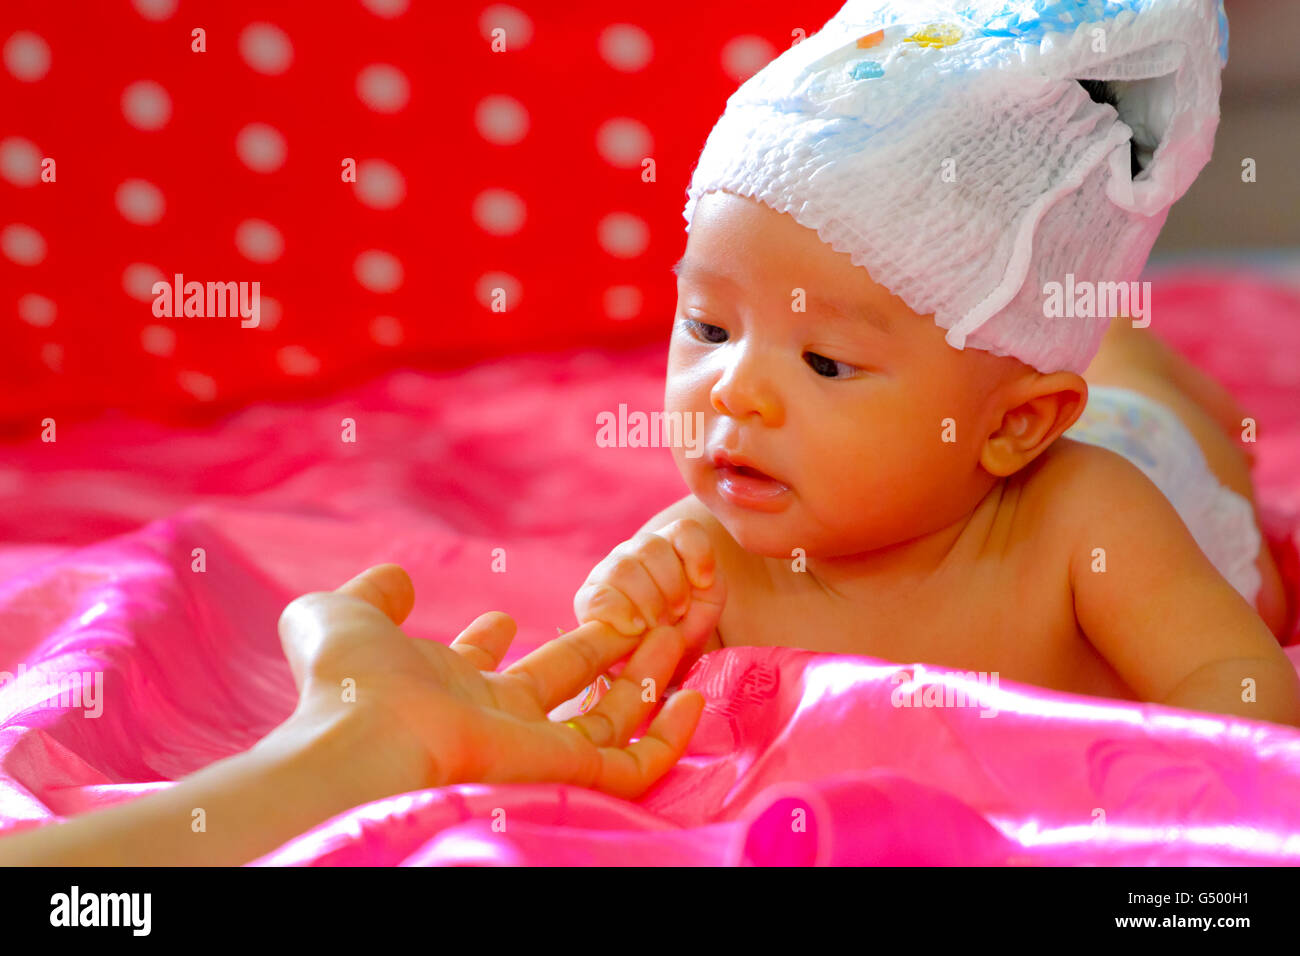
pixel 818 303
pixel 852 310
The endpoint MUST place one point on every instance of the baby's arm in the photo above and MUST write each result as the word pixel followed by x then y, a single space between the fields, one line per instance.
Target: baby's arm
pixel 1160 613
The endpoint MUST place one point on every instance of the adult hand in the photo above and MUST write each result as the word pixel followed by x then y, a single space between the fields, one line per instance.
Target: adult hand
pixel 442 714
pixel 380 713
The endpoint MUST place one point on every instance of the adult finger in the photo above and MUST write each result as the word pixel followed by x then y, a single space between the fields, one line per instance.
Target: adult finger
pixel 561 668
pixel 628 772
pixel 636 691
pixel 385 586
pixel 487 639
pixel 548 751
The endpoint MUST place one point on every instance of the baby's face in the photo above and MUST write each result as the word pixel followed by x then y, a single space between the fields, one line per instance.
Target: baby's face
pixel 824 428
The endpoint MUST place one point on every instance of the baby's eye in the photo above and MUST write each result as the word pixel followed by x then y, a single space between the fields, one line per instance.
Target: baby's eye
pixel 829 368
pixel 713 334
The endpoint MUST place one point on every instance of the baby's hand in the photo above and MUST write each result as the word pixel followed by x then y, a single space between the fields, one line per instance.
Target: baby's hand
pixel 668 577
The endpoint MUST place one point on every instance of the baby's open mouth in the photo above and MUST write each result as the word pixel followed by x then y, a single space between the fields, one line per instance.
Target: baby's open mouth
pixel 745 485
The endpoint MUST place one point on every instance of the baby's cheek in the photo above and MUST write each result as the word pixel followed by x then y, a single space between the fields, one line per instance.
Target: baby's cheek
pixel 675 395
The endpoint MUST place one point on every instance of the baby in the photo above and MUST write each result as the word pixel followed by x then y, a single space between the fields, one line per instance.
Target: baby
pixel 907 455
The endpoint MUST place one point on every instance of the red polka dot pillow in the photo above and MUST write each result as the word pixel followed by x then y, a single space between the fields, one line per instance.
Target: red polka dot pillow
pixel 204 204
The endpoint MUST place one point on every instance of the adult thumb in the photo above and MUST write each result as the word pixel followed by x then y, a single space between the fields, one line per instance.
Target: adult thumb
pixel 385 586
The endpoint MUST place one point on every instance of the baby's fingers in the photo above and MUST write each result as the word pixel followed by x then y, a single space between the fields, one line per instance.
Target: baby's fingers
pixel 600 601
pixel 695 550
pixel 624 571
pixel 664 565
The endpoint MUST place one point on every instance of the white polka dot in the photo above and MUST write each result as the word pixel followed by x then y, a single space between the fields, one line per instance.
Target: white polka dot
pixel 146 105
pixel 379 184
pixel 499 212
pixel 27 56
pixel 158 340
pixel 378 271
pixel 296 360
pixel 624 142
pixel 623 235
pixel 516 27
pixel 494 286
pixel 138 280
pixel 22 244
pixel 623 302
pixel 20 161
pixel 501 119
pixel 388 9
pixel 37 310
pixel 744 56
pixel 383 88
pixel 140 202
pixel 203 387
pixel 258 240
pixel 52 356
pixel 386 330
pixel 155 10
pixel 269 312
pixel 266 48
pixel 260 147
pixel 625 47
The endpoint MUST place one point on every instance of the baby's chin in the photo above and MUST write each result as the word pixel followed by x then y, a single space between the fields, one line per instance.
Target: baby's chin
pixel 779 536
pixel 788 536
pixel 785 545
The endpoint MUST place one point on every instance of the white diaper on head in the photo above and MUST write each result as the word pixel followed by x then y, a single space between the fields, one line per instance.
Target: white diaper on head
pixel 946 146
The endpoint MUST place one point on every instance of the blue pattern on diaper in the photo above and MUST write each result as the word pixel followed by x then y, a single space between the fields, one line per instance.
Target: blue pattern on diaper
pixel 1057 16
pixel 1032 21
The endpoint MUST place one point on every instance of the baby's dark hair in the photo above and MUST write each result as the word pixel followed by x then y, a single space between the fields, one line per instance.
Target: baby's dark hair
pixel 1102 91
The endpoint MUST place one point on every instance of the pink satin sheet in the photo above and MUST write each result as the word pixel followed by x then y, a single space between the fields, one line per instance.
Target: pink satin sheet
pixel 800 758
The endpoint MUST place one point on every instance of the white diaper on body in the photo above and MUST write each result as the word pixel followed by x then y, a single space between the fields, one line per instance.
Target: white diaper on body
pixel 1152 437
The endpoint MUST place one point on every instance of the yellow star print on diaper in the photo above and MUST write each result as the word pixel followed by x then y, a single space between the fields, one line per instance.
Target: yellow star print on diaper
pixel 936 35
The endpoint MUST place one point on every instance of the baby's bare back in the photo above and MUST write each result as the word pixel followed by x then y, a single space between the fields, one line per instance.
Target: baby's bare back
pixel 1000 601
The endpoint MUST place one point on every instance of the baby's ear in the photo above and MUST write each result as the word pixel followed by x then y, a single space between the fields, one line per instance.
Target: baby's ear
pixel 1034 414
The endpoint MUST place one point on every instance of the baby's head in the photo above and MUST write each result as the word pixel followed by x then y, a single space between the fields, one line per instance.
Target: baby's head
pixel 874 223
pixel 874 429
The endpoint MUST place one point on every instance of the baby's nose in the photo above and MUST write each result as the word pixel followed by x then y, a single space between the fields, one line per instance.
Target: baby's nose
pixel 745 390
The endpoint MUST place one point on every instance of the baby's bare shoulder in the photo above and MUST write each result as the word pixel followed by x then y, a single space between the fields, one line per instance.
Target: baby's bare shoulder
pixel 1148 599
pixel 1073 484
